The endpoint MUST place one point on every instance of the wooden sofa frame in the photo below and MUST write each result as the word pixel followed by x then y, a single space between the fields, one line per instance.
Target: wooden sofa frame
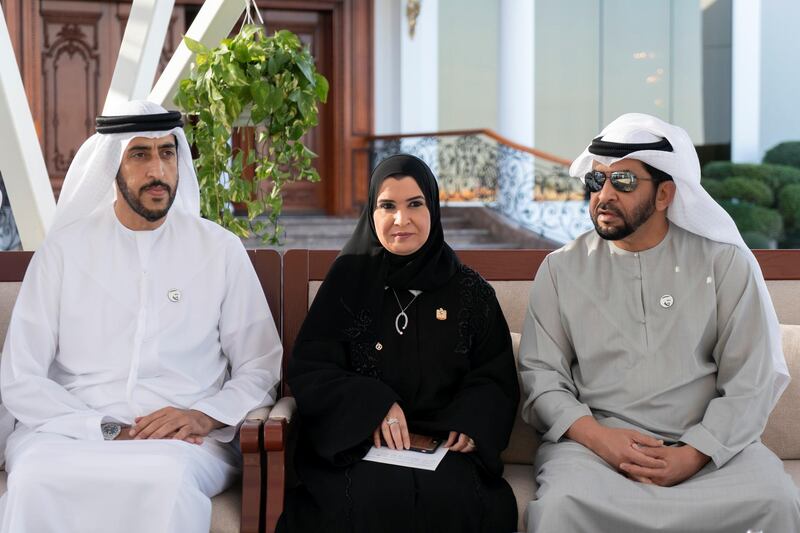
pixel 267 264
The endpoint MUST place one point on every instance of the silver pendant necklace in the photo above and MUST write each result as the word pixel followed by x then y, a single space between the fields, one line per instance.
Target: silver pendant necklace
pixel 402 314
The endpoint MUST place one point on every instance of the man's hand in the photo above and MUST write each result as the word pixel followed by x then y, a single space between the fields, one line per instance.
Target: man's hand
pixel 681 463
pixel 173 423
pixel 617 446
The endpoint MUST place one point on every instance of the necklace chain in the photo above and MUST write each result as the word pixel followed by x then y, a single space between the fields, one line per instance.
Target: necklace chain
pixel 402 314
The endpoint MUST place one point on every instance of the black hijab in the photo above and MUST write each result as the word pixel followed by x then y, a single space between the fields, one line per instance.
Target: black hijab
pixel 352 293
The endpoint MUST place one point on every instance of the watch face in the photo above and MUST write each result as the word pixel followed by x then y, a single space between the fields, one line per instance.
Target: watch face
pixel 110 430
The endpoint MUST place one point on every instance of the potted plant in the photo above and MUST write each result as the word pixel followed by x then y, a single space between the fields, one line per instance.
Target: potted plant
pixel 266 82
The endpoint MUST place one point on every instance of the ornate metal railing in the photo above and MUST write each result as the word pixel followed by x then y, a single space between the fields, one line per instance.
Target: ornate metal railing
pixel 530 187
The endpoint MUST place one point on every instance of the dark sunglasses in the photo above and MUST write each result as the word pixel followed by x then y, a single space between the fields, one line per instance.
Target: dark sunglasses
pixel 623 180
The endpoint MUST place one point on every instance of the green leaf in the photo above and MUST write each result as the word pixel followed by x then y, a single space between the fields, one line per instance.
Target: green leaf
pixel 235 74
pixel 274 99
pixel 195 46
pixel 321 88
pixel 307 68
pixel 259 92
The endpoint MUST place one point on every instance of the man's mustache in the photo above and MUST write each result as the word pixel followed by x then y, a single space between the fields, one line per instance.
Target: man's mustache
pixel 156 183
pixel 608 207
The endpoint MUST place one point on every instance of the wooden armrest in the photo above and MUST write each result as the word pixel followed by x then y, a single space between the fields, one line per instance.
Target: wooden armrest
pixel 278 430
pixel 284 409
pixel 250 439
pixel 259 414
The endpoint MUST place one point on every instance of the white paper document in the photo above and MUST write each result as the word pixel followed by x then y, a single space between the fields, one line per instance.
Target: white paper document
pixel 407 458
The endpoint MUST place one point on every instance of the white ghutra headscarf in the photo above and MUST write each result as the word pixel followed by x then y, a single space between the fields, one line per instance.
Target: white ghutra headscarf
pixel 89 184
pixel 693 209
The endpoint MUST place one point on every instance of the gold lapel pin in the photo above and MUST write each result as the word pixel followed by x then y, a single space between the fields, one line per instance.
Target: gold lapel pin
pixel 441 314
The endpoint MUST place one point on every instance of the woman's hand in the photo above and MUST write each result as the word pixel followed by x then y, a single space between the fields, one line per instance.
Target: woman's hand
pixel 460 442
pixel 394 430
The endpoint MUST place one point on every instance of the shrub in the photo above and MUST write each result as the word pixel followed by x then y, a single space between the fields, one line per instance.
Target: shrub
pixel 713 187
pixel 789 206
pixel 774 176
pixel 749 217
pixel 791 240
pixel 746 190
pixel 755 239
pixel 786 153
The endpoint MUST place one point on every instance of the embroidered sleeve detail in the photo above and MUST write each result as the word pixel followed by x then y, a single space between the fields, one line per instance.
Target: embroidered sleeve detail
pixel 473 316
pixel 362 350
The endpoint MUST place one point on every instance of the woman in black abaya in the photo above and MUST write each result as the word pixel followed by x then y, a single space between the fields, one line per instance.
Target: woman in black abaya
pixel 402 338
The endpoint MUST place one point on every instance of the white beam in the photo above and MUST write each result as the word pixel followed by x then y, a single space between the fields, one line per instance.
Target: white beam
pixel 419 60
pixel 213 23
pixel 139 52
pixel 516 73
pixel 21 160
pixel 746 82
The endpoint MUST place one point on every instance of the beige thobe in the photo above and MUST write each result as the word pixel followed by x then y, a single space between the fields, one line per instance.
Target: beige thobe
pixel 670 342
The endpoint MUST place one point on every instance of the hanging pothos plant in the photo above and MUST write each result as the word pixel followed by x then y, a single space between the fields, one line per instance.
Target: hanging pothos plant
pixel 270 83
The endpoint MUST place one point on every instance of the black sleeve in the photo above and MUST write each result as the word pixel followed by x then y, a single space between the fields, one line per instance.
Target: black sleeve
pixel 338 408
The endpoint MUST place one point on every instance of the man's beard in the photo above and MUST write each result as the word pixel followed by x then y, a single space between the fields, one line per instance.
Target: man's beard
pixel 639 216
pixel 151 215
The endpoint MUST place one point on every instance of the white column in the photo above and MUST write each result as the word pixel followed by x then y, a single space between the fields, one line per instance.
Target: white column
pixel 213 23
pixel 387 36
pixel 516 73
pixel 419 70
pixel 21 161
pixel 139 52
pixel 780 77
pixel 746 81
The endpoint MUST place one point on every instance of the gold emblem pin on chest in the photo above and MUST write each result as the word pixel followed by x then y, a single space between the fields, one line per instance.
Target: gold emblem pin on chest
pixel 174 295
pixel 667 301
pixel 441 314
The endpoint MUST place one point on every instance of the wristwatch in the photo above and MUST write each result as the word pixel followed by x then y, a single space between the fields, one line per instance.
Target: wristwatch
pixel 110 430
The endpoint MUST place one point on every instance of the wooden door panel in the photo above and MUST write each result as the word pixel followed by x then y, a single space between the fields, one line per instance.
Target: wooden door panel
pixel 74 35
pixel 314 30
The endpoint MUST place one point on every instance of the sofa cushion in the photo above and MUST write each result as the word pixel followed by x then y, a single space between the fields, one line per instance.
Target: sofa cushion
pixel 524 440
pixel 226 509
pixel 785 295
pixel 8 297
pixel 781 434
pixel 792 468
pixel 522 481
pixel 513 298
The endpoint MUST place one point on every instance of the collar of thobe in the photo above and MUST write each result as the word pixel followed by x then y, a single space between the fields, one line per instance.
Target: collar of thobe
pixel 616 250
pixel 152 233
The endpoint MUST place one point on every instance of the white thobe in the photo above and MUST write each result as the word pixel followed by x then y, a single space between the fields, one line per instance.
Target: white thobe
pixel 111 324
pixel 670 342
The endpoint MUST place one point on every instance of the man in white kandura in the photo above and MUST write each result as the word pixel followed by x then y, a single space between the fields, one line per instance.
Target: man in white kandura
pixel 138 321
pixel 651 356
